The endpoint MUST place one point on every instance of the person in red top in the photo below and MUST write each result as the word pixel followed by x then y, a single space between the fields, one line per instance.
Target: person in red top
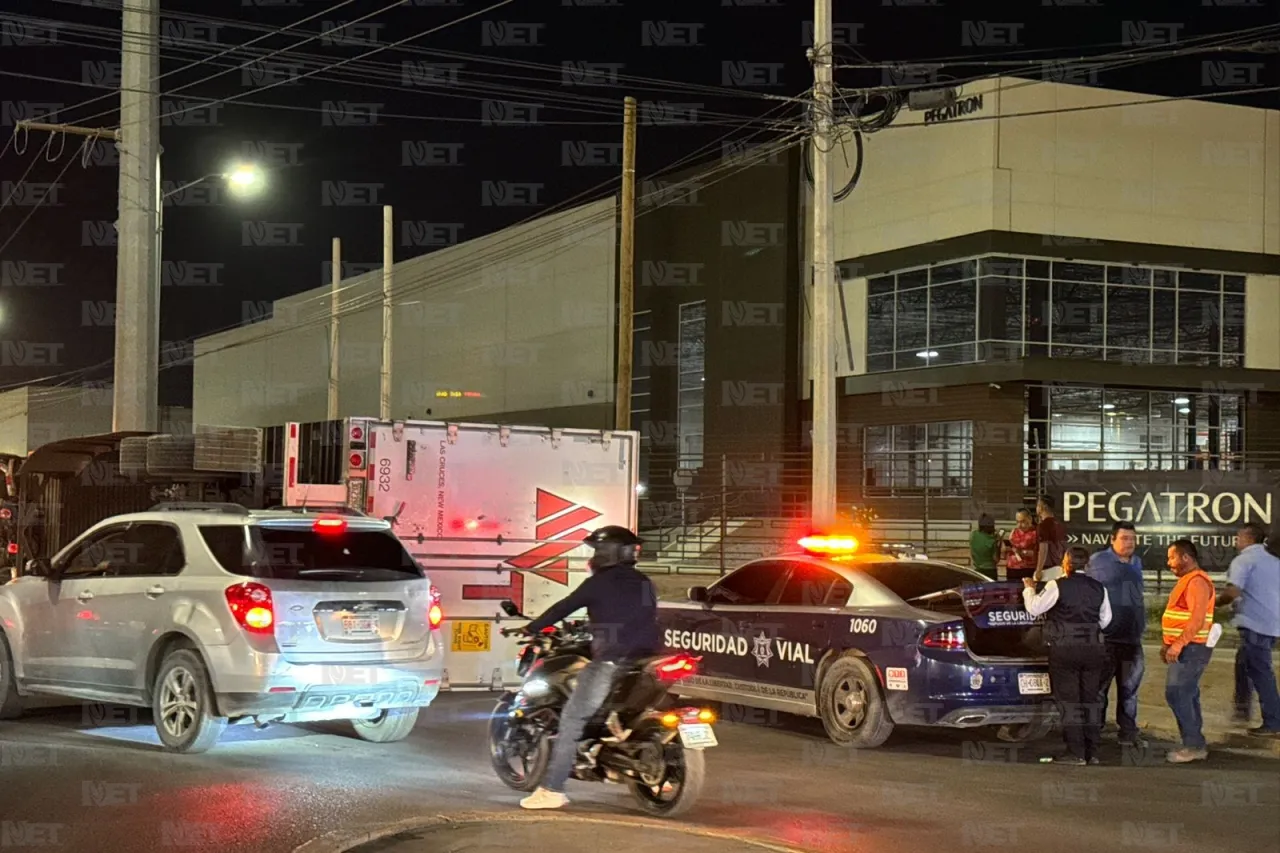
pixel 1023 546
pixel 1051 536
pixel 1186 628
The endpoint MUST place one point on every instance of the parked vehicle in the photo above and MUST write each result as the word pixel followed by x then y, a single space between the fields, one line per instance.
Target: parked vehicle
pixel 865 642
pixel 214 615
pixel 639 738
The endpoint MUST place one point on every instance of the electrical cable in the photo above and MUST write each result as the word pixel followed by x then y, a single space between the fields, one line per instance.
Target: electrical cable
pixel 17 186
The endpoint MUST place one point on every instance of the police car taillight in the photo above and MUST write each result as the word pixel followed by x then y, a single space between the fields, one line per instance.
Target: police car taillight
pixel 833 545
pixel 948 638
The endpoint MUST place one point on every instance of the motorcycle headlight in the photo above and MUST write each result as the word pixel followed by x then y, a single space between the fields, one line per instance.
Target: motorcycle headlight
pixel 536 688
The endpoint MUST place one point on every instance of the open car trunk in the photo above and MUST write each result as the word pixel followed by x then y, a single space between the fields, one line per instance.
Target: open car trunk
pixel 997 625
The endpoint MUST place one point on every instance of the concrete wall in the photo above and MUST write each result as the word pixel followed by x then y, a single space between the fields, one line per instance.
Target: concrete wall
pixel 517 321
pixel 33 415
pixel 1262 322
pixel 1070 161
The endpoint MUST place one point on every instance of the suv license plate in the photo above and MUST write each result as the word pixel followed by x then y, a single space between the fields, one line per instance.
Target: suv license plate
pixel 697 736
pixel 1033 683
pixel 359 626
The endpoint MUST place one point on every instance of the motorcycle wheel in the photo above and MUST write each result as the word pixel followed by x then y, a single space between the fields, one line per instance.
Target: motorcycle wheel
pixel 514 743
pixel 677 788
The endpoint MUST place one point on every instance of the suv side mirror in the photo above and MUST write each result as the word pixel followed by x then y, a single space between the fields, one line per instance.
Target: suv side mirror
pixel 41 568
pixel 699 594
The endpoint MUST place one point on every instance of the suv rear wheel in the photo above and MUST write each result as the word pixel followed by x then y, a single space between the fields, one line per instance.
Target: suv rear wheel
pixel 182 702
pixel 393 724
pixel 10 701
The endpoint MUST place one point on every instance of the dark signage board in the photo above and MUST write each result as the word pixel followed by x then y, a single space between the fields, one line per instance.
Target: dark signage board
pixel 1205 506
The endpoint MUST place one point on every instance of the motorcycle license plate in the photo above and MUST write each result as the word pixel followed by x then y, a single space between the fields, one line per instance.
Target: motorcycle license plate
pixel 1033 683
pixel 697 736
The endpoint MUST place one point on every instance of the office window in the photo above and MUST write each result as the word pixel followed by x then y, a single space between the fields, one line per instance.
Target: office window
pixel 905 459
pixel 692 388
pixel 1091 428
pixel 997 308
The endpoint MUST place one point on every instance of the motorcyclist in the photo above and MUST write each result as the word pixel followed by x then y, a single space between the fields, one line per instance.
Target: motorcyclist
pixel 622 615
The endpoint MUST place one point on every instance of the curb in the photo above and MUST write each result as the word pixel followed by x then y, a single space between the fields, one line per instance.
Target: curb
pixel 340 841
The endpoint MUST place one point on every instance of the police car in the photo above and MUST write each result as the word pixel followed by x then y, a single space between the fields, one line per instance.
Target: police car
pixel 866 642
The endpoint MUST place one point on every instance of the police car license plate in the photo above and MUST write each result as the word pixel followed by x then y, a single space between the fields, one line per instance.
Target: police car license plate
pixel 359 626
pixel 697 736
pixel 1031 683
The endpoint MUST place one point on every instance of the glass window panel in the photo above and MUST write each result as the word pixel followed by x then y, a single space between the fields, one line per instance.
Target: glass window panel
pixel 692 370
pixel 880 363
pixel 912 323
pixel 1128 317
pixel 1128 356
pixel 913 278
pixel 1071 271
pixel 1077 314
pixel 952 314
pixel 1164 321
pixel 1233 324
pixel 999 351
pixel 1197 322
pixel 1207 282
pixel 1000 309
pixel 1037 269
pixel 1067 351
pixel 1133 276
pixel 691 398
pixel 958 354
pixel 1233 283
pixel 1003 267
pixel 880 284
pixel 693 312
pixel 1164 278
pixel 880 323
pixel 1203 359
pixel 953 272
pixel 694 381
pixel 639 385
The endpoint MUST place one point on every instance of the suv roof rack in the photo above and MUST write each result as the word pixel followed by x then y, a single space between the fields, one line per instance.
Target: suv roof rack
pixel 325 510
pixel 199 506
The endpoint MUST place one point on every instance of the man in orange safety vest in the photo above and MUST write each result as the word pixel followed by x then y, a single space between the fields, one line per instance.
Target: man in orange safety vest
pixel 1185 628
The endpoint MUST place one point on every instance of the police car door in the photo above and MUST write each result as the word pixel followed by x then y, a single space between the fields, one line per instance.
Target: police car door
pixel 720 630
pixel 798 623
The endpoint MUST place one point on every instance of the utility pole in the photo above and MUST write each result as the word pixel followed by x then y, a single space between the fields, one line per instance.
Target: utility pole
pixel 388 321
pixel 822 335
pixel 626 269
pixel 138 261
pixel 336 284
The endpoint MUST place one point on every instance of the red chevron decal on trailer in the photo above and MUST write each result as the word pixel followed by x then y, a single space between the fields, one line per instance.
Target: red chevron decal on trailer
pixel 558 519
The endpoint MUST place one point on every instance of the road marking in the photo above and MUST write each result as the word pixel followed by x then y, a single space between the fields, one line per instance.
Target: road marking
pixel 340 841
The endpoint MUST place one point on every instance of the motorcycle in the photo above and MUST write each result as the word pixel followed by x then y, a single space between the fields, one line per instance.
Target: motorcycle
pixel 639 738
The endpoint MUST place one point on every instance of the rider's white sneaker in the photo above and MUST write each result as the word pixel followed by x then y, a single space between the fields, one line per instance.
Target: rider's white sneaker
pixel 544 799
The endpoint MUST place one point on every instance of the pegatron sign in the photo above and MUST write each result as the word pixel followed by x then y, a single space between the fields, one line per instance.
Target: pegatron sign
pixel 1204 506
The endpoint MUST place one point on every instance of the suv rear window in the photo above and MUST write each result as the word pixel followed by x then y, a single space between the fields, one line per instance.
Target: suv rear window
pixel 909 579
pixel 283 553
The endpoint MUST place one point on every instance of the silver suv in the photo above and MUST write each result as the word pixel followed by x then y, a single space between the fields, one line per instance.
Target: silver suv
pixel 213 615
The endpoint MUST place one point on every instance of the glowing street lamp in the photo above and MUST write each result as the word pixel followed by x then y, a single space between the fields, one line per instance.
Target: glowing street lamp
pixel 245 179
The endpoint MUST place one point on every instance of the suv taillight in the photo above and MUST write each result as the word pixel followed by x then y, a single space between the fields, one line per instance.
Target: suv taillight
pixel 252 607
pixel 434 614
pixel 948 638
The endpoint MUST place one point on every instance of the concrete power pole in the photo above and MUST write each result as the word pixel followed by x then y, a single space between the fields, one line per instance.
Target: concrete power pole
pixel 138 256
pixel 626 269
pixel 334 352
pixel 822 359
pixel 388 320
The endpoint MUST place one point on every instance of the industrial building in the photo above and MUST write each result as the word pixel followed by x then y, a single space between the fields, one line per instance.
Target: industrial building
pixel 1053 278
pixel 33 415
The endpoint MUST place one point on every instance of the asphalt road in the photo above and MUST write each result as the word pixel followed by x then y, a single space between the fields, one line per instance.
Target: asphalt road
pixel 82 780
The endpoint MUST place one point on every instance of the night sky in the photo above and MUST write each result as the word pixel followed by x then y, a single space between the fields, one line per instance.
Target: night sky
pixel 410 126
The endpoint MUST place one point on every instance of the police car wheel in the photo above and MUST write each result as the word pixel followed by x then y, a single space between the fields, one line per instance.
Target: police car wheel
pixel 10 701
pixel 852 709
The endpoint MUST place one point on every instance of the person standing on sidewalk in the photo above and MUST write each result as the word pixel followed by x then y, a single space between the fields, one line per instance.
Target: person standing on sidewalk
pixel 984 546
pixel 1023 547
pixel 1185 628
pixel 1253 583
pixel 1076 609
pixel 1119 569
pixel 1051 537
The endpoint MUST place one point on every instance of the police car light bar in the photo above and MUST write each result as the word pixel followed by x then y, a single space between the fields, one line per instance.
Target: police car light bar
pixel 829 544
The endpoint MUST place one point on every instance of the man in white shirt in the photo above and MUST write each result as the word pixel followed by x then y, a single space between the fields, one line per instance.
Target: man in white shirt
pixel 1076 609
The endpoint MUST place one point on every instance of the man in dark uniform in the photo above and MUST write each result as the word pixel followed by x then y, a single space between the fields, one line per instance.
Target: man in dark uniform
pixel 1076 609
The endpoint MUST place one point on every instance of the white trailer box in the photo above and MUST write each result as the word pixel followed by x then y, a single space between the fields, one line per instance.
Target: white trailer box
pixel 491 512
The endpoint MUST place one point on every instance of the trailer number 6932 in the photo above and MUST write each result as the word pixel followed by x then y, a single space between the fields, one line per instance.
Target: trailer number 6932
pixel 862 626
pixel 384 475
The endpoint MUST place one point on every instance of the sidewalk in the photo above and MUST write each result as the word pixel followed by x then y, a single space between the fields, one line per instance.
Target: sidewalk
pixel 1216 690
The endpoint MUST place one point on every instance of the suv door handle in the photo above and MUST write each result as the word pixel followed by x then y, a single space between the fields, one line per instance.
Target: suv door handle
pixel 84 596
pixel 155 590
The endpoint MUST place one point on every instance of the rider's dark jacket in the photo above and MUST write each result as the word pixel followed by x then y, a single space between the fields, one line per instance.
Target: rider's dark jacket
pixel 622 610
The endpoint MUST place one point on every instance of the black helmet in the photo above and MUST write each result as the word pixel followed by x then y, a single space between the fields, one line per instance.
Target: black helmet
pixel 612 545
